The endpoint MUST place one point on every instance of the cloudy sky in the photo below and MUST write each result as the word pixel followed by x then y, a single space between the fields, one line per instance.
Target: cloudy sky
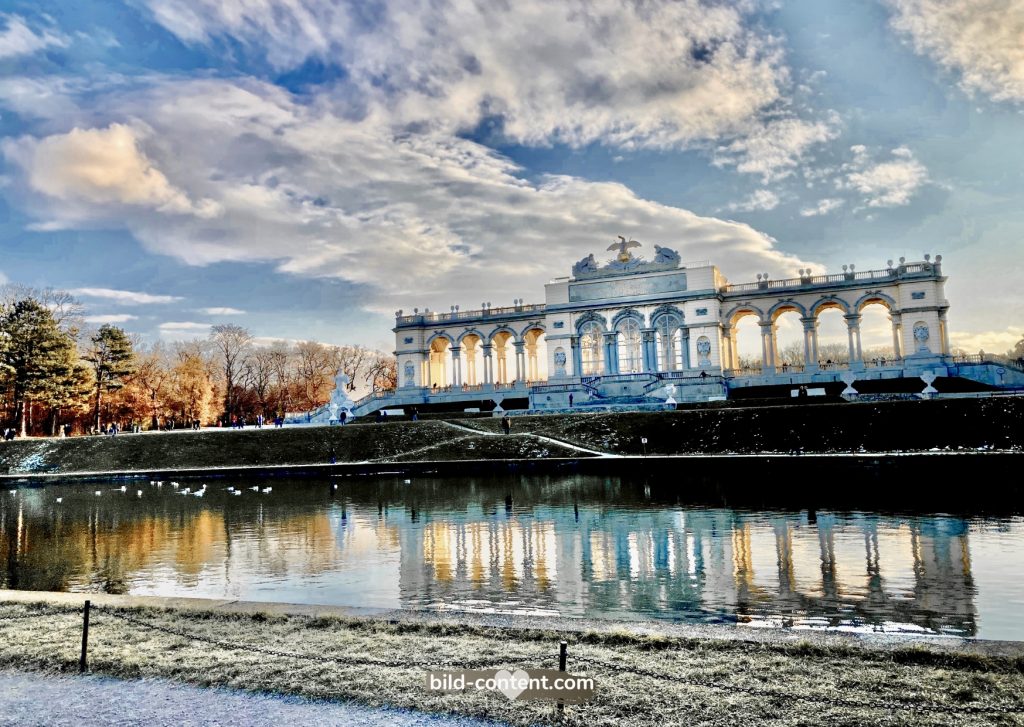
pixel 307 167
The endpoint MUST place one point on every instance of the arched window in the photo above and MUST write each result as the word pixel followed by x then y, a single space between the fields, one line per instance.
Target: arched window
pixel 631 357
pixel 590 348
pixel 670 342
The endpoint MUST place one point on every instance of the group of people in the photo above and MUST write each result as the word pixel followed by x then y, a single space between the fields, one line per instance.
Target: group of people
pixel 258 422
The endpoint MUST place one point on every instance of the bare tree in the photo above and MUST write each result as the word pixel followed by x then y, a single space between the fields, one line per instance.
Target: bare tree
pixel 280 354
pixel 315 367
pixel 382 371
pixel 153 376
pixel 258 373
pixel 232 344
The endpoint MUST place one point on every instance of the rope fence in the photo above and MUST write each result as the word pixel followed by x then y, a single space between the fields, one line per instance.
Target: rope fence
pixel 562 658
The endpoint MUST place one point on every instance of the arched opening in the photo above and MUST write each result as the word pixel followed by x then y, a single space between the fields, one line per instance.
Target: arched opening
pixel 879 334
pixel 439 366
pixel 788 340
pixel 535 345
pixel 745 336
pixel 630 345
pixel 504 357
pixel 591 354
pixel 669 344
pixel 833 338
pixel 472 360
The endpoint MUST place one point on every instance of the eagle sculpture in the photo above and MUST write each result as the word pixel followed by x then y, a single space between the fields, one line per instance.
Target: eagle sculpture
pixel 623 246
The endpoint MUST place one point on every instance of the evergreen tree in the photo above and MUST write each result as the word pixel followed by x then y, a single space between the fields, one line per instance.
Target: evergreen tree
pixel 67 389
pixel 34 350
pixel 112 359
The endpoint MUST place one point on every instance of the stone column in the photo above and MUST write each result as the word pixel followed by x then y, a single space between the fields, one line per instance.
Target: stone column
pixel 853 327
pixel 684 343
pixel 944 327
pixel 650 350
pixel 488 363
pixel 727 350
pixel 520 361
pixel 456 366
pixel 897 331
pixel 767 348
pixel 810 342
pixel 577 358
pixel 611 353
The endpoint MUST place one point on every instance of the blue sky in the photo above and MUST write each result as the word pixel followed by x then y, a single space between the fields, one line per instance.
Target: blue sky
pixel 305 168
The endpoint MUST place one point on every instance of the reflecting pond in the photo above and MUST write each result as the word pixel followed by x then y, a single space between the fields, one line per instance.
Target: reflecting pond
pixel 603 547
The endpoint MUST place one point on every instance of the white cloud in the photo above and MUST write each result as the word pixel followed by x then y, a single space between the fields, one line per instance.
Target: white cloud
pixel 124 297
pixel 663 73
pixel 775 149
pixel 884 184
pixel 823 207
pixel 221 311
pixel 101 166
pixel 320 194
pixel 179 330
pixel 18 39
pixel 110 318
pixel 982 40
pixel 759 199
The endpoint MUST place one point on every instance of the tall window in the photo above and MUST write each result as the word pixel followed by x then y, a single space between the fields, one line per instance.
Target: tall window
pixel 670 343
pixel 590 348
pixel 631 357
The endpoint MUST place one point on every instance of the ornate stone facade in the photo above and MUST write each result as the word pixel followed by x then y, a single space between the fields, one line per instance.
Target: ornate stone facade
pixel 630 325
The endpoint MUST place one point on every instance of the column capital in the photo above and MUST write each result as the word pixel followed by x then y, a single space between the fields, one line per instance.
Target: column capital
pixel 519 345
pixel 456 350
pixel 488 348
pixel 810 323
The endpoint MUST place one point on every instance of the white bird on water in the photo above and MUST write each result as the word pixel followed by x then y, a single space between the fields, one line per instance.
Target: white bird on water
pixel 408 482
pixel 255 488
pixel 98 493
pixel 14 492
pixel 174 485
pixel 138 493
pixel 124 488
pixel 60 500
pixel 266 490
pixel 237 492
pixel 231 489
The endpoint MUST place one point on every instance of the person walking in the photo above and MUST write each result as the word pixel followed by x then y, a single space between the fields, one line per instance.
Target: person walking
pixel 570 401
pixel 506 424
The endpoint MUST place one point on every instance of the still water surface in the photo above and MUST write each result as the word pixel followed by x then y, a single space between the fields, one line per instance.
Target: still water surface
pixel 568 545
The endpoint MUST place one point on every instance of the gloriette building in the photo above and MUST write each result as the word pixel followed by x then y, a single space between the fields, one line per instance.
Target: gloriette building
pixel 633 332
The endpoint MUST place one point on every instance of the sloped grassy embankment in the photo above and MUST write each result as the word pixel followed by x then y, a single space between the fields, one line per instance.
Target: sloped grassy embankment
pixel 395 441
pixel 954 425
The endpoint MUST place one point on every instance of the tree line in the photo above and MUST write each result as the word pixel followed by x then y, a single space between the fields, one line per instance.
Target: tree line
pixel 58 375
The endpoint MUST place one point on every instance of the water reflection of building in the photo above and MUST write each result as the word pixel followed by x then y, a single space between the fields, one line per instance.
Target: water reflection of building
pixel 545 554
pixel 813 569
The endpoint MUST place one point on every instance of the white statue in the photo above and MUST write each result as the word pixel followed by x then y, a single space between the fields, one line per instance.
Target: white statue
pixel 340 401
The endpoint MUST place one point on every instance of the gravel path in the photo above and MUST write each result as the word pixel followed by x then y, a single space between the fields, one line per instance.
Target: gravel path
pixel 36 699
